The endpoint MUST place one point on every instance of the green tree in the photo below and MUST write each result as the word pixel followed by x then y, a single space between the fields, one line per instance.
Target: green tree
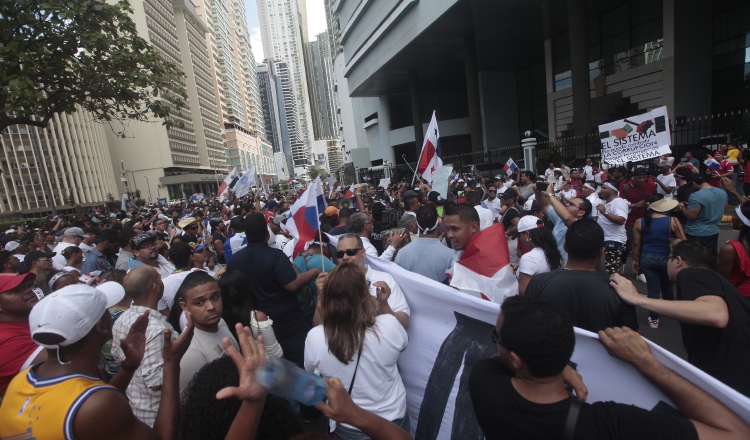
pixel 313 172
pixel 56 54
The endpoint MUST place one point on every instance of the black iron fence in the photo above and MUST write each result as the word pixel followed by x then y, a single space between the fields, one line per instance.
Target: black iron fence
pixel 701 135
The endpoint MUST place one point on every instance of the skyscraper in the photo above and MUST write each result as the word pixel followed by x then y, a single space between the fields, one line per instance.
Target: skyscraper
pixel 283 26
pixel 322 69
pixel 180 160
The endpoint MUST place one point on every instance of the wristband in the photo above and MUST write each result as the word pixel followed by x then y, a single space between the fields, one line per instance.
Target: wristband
pixel 125 367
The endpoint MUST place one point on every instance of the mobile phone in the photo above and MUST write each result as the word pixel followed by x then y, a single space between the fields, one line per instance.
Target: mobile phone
pixel 684 159
pixel 541 186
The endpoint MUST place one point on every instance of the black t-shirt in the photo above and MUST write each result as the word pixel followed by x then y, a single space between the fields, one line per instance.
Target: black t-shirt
pixel 724 353
pixel 586 295
pixel 502 413
pixel 376 238
pixel 508 217
pixel 219 236
pixel 268 270
pixel 338 230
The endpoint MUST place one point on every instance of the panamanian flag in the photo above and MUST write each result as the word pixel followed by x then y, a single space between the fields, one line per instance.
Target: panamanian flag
pixel 712 163
pixel 304 217
pixel 431 157
pixel 483 270
pixel 510 167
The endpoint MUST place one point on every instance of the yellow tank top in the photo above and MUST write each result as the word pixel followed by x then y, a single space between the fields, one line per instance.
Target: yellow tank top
pixel 44 408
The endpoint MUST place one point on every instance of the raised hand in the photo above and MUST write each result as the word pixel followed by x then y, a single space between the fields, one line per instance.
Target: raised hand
pixel 173 351
pixel 253 356
pixel 134 344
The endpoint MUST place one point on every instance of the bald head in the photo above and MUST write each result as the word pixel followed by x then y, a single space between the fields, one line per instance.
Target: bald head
pixel 138 282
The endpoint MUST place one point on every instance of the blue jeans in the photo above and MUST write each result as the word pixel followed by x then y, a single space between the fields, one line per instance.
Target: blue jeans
pixel 344 433
pixel 654 267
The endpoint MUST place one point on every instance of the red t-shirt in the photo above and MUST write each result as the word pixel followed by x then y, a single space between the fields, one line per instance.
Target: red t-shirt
pixel 577 185
pixel 740 276
pixel 634 196
pixel 725 167
pixel 15 348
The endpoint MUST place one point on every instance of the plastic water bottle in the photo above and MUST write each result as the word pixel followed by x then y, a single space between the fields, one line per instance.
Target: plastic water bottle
pixel 285 379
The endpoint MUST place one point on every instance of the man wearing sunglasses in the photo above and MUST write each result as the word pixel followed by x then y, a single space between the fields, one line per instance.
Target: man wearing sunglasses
pixel 391 300
pixel 561 215
pixel 144 253
pixel 17 350
pixel 520 392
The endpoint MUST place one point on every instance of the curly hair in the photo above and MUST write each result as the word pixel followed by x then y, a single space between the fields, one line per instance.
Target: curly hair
pixel 206 418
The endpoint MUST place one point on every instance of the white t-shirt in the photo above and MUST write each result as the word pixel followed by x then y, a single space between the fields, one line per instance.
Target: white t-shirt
pixel 668 181
pixel 369 248
pixel 272 238
pixel 612 231
pixel 549 175
pixel 533 262
pixel 486 219
pixel 595 201
pixel 569 194
pixel 378 387
pixel 58 261
pixel 204 348
pixel 494 206
pixel 397 301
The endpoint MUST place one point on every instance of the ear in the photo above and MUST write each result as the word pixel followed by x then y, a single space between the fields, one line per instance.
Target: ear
pixel 183 306
pixel 516 362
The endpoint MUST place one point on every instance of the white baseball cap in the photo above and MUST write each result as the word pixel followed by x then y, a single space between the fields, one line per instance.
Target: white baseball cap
pixel 70 313
pixel 529 222
pixel 113 291
pixel 12 245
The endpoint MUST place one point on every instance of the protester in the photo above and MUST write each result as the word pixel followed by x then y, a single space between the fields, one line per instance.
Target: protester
pixel 725 169
pixel 354 338
pixel 390 298
pixel 91 240
pixel 218 229
pixel 110 282
pixel 426 255
pixel 237 240
pixel 580 289
pixel 652 236
pixel 143 284
pixel 316 255
pixel 345 215
pixel 361 224
pixel 704 210
pixel 242 306
pixel 543 255
pixel 59 279
pixel 510 218
pixel 461 224
pixel 493 202
pixel 520 392
pixel 562 216
pixel 734 256
pixel 200 296
pixel 486 218
pixel 17 350
pixel 40 264
pixel 612 219
pixel 272 276
pixel 181 256
pixel 124 236
pixel 71 237
pixel 99 257
pixel 145 254
pixel 665 182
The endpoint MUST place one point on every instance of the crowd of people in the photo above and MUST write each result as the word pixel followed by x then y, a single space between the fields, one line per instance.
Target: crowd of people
pixel 176 307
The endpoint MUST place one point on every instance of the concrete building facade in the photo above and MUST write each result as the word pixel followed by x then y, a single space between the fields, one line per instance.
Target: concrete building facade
pixel 492 70
pixel 283 26
pixel 66 164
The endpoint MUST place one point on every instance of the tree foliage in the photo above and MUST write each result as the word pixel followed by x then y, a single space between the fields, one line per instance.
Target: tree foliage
pixel 316 170
pixel 56 54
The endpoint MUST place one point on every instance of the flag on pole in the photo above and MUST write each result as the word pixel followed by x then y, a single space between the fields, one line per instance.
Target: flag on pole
pixel 712 163
pixel 510 167
pixel 228 183
pixel 245 182
pixel 304 216
pixel 432 154
pixel 488 278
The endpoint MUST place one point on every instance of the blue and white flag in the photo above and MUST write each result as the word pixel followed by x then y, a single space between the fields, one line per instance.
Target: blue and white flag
pixel 247 181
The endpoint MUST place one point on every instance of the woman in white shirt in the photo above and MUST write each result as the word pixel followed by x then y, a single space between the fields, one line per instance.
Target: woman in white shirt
pixel 359 347
pixel 544 255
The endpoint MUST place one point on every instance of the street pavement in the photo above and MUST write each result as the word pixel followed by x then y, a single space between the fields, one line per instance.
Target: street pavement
pixel 668 335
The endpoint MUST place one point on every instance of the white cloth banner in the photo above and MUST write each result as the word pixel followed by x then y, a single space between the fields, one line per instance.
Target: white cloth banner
pixel 636 138
pixel 449 332
pixel 440 182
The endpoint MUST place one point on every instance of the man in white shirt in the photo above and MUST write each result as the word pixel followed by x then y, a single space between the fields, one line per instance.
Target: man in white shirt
pixel 589 169
pixel 590 193
pixel 202 299
pixel 361 224
pixel 493 202
pixel 549 173
pixel 612 216
pixel 486 219
pixel 391 300
pixel 90 241
pixel 71 237
pixel 665 182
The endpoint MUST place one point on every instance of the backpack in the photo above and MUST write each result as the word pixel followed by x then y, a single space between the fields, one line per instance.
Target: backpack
pixel 306 298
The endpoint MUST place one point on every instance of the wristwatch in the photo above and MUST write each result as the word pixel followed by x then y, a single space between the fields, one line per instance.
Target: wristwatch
pixel 124 366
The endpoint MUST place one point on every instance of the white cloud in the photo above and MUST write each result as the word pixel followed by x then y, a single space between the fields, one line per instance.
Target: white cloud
pixel 257 44
pixel 316 18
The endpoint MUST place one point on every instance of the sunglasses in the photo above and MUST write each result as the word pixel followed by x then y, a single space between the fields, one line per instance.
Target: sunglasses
pixel 491 191
pixel 496 339
pixel 190 228
pixel 349 252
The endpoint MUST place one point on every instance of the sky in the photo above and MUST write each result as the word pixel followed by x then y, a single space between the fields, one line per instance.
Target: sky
pixel 316 23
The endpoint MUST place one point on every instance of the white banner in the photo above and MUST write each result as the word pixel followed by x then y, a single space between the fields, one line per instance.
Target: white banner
pixel 449 332
pixel 636 138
